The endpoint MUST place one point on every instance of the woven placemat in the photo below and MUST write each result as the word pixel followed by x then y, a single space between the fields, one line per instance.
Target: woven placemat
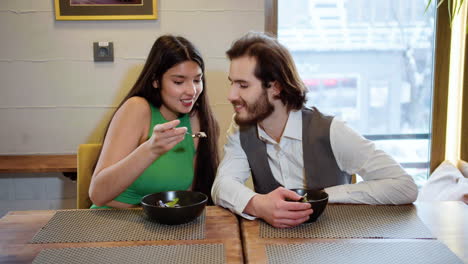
pixel 101 225
pixel 417 252
pixel 357 221
pixel 201 253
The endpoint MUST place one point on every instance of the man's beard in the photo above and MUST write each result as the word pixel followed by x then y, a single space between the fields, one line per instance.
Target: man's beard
pixel 256 112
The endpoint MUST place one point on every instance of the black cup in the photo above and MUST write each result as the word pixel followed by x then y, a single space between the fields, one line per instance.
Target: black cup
pixel 318 200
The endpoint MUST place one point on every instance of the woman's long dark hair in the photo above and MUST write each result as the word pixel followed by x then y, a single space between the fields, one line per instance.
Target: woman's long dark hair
pixel 167 52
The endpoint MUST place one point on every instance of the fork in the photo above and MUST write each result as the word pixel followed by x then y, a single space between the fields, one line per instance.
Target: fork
pixel 197 134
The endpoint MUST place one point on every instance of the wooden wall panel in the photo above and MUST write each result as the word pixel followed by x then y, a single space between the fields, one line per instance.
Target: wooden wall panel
pixel 271 17
pixel 441 82
pixel 464 131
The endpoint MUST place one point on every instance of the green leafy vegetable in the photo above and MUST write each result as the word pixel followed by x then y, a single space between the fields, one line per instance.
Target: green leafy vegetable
pixel 172 203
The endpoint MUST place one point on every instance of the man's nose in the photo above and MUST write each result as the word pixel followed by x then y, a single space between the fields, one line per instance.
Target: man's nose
pixel 233 93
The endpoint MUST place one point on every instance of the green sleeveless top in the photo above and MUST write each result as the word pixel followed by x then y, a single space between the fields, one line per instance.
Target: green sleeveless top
pixel 172 171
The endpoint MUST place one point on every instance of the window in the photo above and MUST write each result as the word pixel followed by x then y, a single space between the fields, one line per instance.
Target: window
pixel 372 67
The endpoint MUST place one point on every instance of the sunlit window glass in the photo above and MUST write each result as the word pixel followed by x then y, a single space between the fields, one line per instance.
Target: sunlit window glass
pixel 370 63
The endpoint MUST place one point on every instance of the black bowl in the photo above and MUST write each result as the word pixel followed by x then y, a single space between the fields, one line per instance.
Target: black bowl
pixel 191 205
pixel 318 199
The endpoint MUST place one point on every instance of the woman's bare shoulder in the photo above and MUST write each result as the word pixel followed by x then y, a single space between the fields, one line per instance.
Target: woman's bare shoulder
pixel 137 105
pixel 134 116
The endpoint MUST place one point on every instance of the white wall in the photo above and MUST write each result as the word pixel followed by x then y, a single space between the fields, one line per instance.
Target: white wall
pixel 26 191
pixel 53 96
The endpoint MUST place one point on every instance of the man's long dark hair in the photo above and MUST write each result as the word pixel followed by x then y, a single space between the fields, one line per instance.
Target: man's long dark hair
pixel 274 63
pixel 167 52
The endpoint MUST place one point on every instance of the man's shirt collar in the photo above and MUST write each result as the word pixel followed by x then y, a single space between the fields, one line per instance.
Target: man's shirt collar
pixel 293 129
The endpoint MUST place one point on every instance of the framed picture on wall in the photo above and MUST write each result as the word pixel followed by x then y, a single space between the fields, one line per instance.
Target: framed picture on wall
pixel 105 9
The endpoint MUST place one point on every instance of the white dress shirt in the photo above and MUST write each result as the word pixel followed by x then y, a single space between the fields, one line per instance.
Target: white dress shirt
pixel 384 180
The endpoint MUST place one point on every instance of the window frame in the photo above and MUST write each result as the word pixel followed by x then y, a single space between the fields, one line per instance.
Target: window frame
pixel 441 81
pixel 464 124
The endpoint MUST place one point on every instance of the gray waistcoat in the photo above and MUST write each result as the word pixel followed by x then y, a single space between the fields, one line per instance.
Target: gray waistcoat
pixel 321 169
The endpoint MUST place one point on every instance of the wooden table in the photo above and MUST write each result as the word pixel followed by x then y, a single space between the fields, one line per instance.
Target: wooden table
pixel 38 163
pixel 448 221
pixel 17 228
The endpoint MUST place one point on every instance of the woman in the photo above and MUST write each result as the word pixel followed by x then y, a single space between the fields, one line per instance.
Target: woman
pixel 148 146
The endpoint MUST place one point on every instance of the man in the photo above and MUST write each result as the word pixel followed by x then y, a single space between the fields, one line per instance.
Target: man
pixel 285 146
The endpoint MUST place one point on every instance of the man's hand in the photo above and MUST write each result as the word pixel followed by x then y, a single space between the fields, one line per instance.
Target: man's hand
pixel 275 210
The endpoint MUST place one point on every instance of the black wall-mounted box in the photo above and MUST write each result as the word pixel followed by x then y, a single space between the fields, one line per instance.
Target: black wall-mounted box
pixel 103 51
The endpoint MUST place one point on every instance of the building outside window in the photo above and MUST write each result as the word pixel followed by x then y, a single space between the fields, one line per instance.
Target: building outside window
pixel 369 63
